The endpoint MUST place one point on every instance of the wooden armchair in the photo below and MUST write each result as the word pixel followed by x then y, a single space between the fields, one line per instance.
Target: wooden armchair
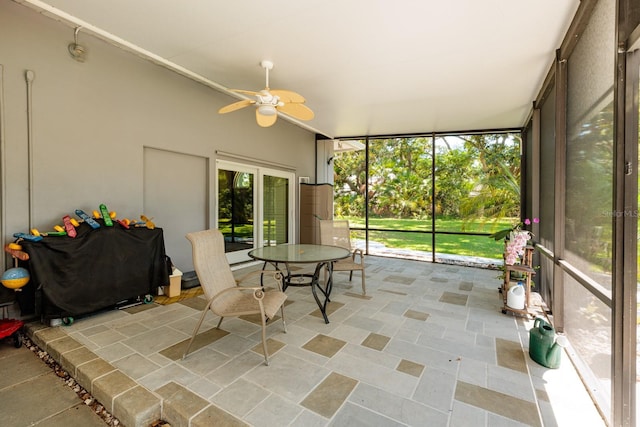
pixel 336 233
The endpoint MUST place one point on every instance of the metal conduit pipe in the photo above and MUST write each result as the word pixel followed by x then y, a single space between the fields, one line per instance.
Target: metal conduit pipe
pixel 3 173
pixel 29 76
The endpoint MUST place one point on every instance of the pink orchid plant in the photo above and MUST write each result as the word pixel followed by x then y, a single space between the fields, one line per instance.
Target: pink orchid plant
pixel 514 248
pixel 516 240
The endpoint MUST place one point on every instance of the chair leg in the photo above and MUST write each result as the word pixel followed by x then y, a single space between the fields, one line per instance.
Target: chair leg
pixel 264 340
pixel 284 324
pixel 195 331
pixel 350 275
pixel 219 322
pixel 364 289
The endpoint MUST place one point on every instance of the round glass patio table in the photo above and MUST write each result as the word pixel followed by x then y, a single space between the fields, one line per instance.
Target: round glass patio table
pixel 320 255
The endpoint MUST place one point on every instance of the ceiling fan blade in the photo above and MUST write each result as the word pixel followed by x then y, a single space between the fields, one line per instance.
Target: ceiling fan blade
pixel 265 121
pixel 236 106
pixel 287 95
pixel 297 111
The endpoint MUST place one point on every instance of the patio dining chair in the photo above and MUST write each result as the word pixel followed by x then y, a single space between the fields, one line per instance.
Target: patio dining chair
pixel 225 295
pixel 336 233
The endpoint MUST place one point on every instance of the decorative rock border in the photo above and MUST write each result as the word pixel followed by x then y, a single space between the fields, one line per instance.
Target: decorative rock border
pixel 83 394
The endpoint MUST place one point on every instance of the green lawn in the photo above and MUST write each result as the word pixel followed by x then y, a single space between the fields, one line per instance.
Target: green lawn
pixel 469 245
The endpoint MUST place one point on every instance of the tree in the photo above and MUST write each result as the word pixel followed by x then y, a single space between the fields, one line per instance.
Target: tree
pixel 399 177
pixel 497 176
pixel 349 184
pixel 476 176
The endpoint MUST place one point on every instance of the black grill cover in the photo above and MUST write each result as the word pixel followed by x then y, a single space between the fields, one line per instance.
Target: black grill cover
pixel 95 270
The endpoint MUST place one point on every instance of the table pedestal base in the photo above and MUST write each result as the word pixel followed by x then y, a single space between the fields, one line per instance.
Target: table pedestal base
pixel 313 280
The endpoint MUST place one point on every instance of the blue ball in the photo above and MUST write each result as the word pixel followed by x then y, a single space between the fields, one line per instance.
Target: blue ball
pixel 15 278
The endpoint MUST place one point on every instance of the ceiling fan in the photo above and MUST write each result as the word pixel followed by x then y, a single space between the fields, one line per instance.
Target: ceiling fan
pixel 269 102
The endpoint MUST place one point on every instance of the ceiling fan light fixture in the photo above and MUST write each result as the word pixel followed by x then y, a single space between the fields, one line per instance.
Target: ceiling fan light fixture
pixel 267 110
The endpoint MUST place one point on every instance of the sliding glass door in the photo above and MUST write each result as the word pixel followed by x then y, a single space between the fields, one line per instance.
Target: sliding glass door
pixel 275 209
pixel 254 209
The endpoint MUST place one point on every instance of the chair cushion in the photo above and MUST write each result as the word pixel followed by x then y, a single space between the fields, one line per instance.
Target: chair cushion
pixel 243 302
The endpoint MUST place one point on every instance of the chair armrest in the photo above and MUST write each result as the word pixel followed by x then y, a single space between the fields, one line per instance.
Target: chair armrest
pixel 258 292
pixel 359 253
pixel 277 277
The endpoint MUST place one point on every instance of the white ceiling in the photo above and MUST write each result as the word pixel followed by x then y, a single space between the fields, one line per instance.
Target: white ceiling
pixel 366 67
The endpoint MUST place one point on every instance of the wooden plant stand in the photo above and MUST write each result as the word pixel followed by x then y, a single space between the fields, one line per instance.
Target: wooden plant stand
pixel 523 269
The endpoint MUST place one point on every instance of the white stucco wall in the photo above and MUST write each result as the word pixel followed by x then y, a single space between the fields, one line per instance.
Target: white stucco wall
pixel 91 120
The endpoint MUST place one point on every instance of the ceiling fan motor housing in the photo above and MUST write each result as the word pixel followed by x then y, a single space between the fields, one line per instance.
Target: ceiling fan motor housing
pixel 266 98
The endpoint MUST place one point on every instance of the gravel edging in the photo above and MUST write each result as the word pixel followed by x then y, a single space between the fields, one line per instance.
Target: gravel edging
pixel 82 394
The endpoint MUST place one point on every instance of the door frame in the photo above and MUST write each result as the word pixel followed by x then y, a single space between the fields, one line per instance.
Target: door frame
pixel 258 201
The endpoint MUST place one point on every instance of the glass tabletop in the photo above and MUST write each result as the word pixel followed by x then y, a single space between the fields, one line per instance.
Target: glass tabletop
pixel 299 253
